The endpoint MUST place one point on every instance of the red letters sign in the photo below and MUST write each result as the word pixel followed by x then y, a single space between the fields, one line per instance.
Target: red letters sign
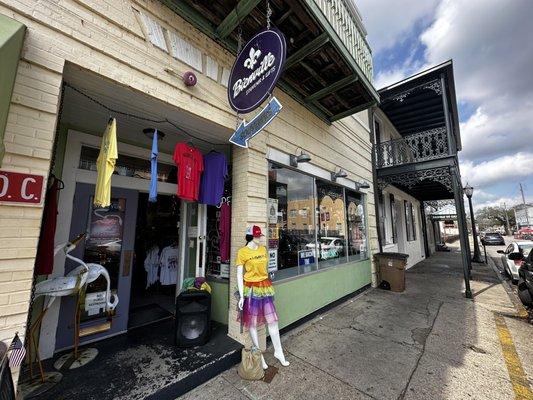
pixel 20 188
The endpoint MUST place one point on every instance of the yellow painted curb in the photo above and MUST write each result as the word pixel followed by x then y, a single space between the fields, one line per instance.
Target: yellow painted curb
pixel 521 386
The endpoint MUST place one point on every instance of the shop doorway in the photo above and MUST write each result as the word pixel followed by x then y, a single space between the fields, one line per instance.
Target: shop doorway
pixel 109 241
pixel 155 271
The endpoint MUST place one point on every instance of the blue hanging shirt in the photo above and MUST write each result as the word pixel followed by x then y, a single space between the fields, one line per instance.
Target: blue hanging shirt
pixel 152 197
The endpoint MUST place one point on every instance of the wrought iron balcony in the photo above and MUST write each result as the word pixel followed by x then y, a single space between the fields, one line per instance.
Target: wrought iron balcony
pixel 329 63
pixel 424 146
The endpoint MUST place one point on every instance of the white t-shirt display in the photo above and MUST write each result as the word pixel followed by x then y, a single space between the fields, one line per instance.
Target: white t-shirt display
pixel 151 266
pixel 169 262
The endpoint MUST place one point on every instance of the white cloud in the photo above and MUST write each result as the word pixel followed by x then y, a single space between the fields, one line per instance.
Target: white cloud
pixel 390 22
pixel 490 42
pixel 504 201
pixel 488 134
pixel 491 47
pixel 505 168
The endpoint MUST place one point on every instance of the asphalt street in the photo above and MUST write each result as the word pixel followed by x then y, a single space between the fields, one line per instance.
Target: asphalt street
pixel 492 252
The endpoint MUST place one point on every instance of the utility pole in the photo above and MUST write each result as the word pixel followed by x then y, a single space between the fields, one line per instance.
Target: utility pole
pixel 524 203
pixel 506 218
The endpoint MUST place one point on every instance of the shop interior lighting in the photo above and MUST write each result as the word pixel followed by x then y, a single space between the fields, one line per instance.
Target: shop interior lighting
pixel 338 174
pixel 149 133
pixel 302 158
pixel 362 185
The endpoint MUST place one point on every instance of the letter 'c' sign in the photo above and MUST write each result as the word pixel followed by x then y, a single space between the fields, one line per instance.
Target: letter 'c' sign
pixel 16 187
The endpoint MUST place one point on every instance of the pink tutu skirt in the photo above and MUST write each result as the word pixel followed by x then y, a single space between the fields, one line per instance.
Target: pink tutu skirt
pixel 258 305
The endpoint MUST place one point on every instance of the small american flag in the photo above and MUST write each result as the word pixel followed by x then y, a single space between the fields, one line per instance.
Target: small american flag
pixel 18 352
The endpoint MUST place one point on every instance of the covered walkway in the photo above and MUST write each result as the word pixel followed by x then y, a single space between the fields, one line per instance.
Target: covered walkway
pixel 429 342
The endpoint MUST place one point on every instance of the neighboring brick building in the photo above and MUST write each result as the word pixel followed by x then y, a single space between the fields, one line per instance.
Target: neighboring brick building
pixel 129 54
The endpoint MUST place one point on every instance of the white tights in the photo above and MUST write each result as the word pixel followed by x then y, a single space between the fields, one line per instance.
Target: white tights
pixel 273 331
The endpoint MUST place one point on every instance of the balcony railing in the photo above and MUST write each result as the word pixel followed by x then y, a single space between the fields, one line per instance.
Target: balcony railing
pixel 342 21
pixel 423 146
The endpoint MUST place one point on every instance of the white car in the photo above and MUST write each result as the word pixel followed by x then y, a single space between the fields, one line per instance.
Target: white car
pixel 330 247
pixel 511 266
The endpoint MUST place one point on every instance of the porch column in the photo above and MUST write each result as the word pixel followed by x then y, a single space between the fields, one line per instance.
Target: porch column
pixel 248 205
pixel 424 229
pixel 463 235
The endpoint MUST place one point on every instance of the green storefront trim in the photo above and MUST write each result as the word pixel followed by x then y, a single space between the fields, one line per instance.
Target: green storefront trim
pixel 219 300
pixel 11 40
pixel 297 298
pixel 300 296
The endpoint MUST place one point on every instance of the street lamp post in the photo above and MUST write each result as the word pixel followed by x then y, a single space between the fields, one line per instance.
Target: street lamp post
pixel 469 191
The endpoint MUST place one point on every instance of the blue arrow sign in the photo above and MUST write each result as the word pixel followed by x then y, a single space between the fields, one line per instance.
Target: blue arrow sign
pixel 246 131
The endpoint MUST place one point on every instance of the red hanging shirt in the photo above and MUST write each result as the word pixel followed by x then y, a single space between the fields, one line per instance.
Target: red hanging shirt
pixel 190 166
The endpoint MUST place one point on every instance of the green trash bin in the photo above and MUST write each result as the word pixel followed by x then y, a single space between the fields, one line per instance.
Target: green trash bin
pixel 391 269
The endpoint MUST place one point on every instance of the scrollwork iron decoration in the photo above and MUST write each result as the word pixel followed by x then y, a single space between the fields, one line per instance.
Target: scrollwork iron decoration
pixel 434 85
pixel 421 146
pixel 440 175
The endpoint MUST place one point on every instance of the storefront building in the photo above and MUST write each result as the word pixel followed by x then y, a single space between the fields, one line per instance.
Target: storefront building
pixel 84 63
pixel 400 219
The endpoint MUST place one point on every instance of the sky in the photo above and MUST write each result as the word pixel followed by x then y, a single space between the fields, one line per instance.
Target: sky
pixel 491 45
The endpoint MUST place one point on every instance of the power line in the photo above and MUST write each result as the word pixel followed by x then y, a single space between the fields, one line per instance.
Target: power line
pixel 524 203
pixel 141 118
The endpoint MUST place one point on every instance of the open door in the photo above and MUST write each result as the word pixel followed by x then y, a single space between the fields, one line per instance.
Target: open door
pixel 193 242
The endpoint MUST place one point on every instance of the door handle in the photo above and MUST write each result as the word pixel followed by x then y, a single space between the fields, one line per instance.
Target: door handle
pixel 201 237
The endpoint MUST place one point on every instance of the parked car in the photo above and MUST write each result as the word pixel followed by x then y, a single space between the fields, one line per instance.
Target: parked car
pixel 525 280
pixel 492 238
pixel 329 247
pixel 511 266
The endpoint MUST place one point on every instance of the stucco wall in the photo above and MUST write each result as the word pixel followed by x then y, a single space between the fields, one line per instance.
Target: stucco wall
pixel 105 37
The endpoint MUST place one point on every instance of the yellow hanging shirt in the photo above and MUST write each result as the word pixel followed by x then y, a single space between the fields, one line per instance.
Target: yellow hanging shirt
pixel 254 262
pixel 105 165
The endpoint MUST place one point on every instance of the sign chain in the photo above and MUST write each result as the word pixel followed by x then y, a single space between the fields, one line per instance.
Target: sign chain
pixel 239 48
pixel 269 13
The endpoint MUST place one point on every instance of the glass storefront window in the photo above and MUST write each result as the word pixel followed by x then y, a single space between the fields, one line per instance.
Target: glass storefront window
pixel 355 216
pixel 331 220
pixel 312 223
pixel 291 223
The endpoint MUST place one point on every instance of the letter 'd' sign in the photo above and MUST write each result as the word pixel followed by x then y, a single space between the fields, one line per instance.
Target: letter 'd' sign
pixel 256 70
pixel 20 188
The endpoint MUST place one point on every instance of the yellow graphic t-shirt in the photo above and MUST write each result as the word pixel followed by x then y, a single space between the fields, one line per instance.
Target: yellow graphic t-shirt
pixel 254 262
pixel 105 165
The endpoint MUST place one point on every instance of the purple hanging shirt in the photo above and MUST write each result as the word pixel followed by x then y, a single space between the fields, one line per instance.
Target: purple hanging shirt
pixel 212 184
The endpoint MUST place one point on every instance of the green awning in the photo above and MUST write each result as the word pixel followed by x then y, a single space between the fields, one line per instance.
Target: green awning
pixel 11 40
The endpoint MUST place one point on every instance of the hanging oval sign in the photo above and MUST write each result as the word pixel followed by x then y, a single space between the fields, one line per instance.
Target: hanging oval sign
pixel 256 70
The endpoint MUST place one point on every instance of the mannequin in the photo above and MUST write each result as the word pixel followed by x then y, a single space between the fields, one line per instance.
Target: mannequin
pixel 256 293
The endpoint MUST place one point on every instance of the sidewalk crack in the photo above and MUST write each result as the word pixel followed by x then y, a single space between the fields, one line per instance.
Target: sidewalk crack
pixel 402 394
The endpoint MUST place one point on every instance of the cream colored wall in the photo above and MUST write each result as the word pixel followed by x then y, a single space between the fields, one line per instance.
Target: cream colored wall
pixel 105 37
pixel 415 248
pixel 388 131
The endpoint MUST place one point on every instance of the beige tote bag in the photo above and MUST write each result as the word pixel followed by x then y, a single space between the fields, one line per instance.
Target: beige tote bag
pixel 250 367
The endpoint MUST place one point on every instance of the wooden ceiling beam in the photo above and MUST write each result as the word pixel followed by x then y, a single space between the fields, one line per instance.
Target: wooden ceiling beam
pixel 333 87
pixel 285 15
pixel 353 110
pixel 303 16
pixel 304 51
pixel 232 20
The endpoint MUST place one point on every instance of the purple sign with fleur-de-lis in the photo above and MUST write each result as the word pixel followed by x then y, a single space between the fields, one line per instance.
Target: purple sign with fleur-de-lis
pixel 256 70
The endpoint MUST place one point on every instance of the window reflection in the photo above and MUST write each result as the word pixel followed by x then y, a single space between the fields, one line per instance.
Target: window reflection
pixel 291 220
pixel 331 243
pixel 355 213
